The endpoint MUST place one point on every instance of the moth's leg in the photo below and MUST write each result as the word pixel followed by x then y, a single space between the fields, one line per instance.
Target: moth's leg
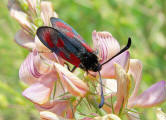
pixel 73 69
pixel 87 72
pixel 68 67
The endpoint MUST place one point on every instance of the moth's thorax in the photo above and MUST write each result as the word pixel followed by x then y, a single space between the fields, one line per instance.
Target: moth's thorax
pixel 89 61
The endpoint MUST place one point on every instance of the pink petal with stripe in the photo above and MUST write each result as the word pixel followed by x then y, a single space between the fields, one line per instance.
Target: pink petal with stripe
pixel 39 93
pixel 71 82
pixel 153 96
pixel 33 68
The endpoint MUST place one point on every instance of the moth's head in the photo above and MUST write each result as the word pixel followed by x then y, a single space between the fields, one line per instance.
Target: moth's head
pixel 89 61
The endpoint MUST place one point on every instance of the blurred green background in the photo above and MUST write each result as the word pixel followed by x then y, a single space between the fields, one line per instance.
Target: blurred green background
pixel 143 20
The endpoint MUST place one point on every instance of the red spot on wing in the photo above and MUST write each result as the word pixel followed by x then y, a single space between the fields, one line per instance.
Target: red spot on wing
pixel 62 25
pixel 70 34
pixel 47 37
pixel 60 43
pixel 87 47
pixel 62 55
pixel 73 59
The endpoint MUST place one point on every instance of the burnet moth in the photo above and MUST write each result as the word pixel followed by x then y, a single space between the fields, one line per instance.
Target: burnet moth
pixel 63 40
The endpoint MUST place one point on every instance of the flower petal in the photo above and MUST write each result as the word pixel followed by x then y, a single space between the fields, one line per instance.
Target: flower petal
pixel 33 68
pixel 46 115
pixel 135 69
pixel 22 18
pixel 13 4
pixel 73 84
pixel 90 118
pixel 133 115
pixel 160 114
pixel 105 44
pixel 110 87
pixel 108 70
pixel 108 117
pixel 154 95
pixel 40 92
pixel 59 107
pixel 23 39
pixel 47 12
pixel 123 85
pixel 33 5
pixel 110 90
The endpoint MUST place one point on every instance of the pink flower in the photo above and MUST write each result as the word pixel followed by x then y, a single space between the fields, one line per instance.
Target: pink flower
pixel 121 69
pixel 30 20
pixel 41 71
pixel 51 86
pixel 107 46
pixel 46 115
pixel 42 75
pixel 153 96
pixel 56 92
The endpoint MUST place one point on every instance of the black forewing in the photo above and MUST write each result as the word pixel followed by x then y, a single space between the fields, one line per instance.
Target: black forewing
pixel 68 31
pixel 60 44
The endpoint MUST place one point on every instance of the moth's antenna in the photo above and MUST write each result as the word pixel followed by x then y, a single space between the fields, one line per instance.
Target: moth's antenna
pixel 121 51
pixel 102 96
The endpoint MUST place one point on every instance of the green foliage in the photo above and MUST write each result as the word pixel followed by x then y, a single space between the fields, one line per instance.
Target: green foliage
pixel 143 20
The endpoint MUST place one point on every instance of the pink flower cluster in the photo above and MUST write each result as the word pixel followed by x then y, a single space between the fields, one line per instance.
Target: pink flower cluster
pixel 56 92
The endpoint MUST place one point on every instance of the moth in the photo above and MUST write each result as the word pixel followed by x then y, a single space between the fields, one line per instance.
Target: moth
pixel 65 42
